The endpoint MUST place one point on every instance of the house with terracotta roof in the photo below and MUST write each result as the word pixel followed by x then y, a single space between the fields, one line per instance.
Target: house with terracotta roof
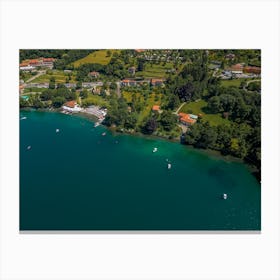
pixel 187 119
pixel 128 83
pixel 48 62
pixel 252 69
pixel 71 106
pixel 237 68
pixel 156 108
pixel 156 82
pixel 94 74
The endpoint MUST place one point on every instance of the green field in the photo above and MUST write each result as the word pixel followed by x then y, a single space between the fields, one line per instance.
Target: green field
pixel 99 57
pixel 197 108
pixel 234 82
pixel 93 99
pixel 59 75
pixel 155 71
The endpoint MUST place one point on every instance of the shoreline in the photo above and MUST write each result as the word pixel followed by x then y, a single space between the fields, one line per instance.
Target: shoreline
pixel 213 153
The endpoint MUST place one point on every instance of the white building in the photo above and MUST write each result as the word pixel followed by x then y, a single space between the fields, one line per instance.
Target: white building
pixel 71 106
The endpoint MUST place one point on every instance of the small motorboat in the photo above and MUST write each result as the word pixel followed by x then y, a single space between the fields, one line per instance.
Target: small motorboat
pixel 169 166
pixel 29 147
pixel 155 150
pixel 96 124
pixel 23 118
pixel 104 133
pixel 57 130
pixel 224 196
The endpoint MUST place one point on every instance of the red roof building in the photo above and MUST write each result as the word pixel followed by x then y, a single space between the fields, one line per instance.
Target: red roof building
pixel 237 67
pixel 156 82
pixel 186 119
pixel 156 108
pixel 94 74
pixel 48 59
pixel 71 104
pixel 252 69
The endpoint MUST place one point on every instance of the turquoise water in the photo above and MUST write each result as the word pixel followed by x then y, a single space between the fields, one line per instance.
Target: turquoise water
pixel 78 179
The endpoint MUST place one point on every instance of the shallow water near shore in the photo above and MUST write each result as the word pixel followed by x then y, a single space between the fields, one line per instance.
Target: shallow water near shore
pixel 78 179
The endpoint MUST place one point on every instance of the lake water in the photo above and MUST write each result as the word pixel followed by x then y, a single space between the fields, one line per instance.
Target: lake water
pixel 77 179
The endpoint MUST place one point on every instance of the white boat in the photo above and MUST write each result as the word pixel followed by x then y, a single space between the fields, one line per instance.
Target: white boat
pixel 29 147
pixel 169 165
pixel 104 133
pixel 57 130
pixel 154 150
pixel 224 196
pixel 23 118
pixel 96 124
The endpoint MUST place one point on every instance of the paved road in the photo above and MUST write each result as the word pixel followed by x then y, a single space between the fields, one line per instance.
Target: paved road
pixel 36 76
pixel 177 111
pixel 248 82
pixel 118 88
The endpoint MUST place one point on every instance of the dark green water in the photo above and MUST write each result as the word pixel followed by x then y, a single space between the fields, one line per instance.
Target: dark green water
pixel 78 179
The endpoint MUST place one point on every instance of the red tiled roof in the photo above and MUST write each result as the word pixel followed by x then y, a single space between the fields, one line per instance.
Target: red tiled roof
pixel 156 108
pixel 33 61
pixel 48 59
pixel 71 103
pixel 23 64
pixel 236 67
pixel 252 69
pixel 186 118
pixel 156 80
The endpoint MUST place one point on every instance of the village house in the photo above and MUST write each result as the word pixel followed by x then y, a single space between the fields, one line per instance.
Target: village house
pixel 94 74
pixel 187 119
pixel 128 83
pixel 70 85
pixel 237 68
pixel 156 82
pixel 131 70
pixel 27 68
pixel 88 85
pixel 71 106
pixel 48 62
pixel 252 69
pixel 156 108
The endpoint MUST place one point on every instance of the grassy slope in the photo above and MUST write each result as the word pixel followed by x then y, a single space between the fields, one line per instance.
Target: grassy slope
pixel 197 108
pixel 59 75
pixel 96 100
pixel 155 71
pixel 99 57
pixel 148 104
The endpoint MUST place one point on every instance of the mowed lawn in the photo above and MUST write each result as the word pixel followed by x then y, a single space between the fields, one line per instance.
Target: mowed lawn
pixel 59 75
pixel 233 82
pixel 99 57
pixel 155 71
pixel 197 108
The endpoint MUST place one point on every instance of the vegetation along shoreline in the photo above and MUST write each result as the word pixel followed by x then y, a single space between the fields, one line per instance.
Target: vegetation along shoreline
pixel 207 99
